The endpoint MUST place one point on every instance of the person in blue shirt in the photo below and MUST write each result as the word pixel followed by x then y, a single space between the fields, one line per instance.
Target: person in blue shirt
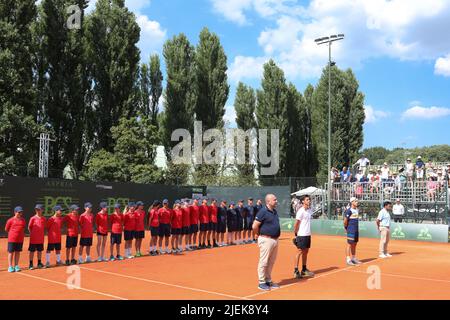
pixel 248 222
pixel 345 175
pixel 222 222
pixel 231 224
pixel 240 221
pixel 351 224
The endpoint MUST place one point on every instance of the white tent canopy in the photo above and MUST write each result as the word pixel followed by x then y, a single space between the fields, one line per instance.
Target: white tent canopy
pixel 312 191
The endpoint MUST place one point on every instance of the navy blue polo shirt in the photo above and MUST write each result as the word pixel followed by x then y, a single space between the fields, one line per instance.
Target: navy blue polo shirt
pixel 270 223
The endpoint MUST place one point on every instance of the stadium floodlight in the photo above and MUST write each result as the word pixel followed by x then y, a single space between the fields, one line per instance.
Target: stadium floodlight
pixel 329 40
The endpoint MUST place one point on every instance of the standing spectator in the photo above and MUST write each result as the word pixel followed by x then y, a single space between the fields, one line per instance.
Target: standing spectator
pixel 428 170
pixel 267 229
pixel 345 175
pixel 398 211
pixel 409 172
pixel 15 227
pixel 384 172
pixel 420 165
pixel 36 226
pixel 447 175
pixel 383 224
pixel 363 162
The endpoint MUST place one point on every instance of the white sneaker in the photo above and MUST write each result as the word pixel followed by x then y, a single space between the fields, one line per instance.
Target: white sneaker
pixel 388 255
pixel 130 257
pixel 100 259
pixel 382 256
pixel 47 264
pixel 356 261
pixel 80 261
pixel 88 259
pixel 350 262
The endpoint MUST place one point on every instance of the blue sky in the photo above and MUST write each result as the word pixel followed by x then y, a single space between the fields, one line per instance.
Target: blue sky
pixel 398 49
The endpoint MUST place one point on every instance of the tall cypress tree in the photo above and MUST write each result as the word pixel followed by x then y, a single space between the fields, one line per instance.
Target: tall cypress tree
pixel 18 113
pixel 112 35
pixel 310 155
pixel 271 111
pixel 156 88
pixel 179 98
pixel 245 104
pixel 294 140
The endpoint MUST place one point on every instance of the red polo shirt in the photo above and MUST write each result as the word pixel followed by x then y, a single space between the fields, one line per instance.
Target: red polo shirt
pixel 140 220
pixel 117 223
pixel 16 229
pixel 195 213
pixel 186 217
pixel 204 214
pixel 101 220
pixel 72 225
pixel 154 218
pixel 213 214
pixel 54 225
pixel 177 219
pixel 164 215
pixel 87 225
pixel 36 225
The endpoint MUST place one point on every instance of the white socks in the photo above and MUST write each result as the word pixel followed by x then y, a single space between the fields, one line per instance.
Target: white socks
pixel 58 258
pixel 47 257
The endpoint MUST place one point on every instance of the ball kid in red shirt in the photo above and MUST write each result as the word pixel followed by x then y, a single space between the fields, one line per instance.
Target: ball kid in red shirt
pixel 36 226
pixel 87 233
pixel 71 221
pixel 204 223
pixel 116 232
pixel 213 223
pixel 129 223
pixel 54 225
pixel 185 228
pixel 101 221
pixel 165 215
pixel 139 233
pixel 176 224
pixel 15 227
pixel 195 213
pixel 153 221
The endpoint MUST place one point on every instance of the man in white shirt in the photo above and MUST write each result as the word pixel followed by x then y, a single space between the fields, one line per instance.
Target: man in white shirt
pixel 302 232
pixel 398 211
pixel 383 224
pixel 363 162
pixel 384 172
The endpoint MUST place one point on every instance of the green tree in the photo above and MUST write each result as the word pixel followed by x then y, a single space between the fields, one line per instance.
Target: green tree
pixel 245 104
pixel 271 111
pixel 347 119
pixel 179 97
pixel 132 160
pixel 18 128
pixel 295 140
pixel 61 77
pixel 112 34
pixel 310 155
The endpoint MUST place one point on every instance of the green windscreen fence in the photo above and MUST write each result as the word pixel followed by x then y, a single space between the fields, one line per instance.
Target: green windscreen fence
pixel 399 231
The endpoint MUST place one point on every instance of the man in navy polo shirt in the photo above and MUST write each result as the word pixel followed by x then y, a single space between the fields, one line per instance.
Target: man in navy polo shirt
pixel 267 229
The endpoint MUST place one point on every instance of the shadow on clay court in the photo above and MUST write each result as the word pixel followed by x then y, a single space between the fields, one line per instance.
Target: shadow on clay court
pixel 316 272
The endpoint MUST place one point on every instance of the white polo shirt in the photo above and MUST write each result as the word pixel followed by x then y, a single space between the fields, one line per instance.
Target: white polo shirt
pixel 384 217
pixel 398 209
pixel 305 217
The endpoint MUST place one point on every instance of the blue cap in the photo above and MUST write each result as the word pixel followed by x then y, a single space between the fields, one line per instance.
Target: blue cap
pixel 155 203
pixel 74 207
pixel 57 208
pixel 196 198
pixel 117 206
pixel 131 204
pixel 177 202
pixel 165 201
pixel 103 205
pixel 39 207
pixel 241 200
pixel 213 199
pixel 249 198
pixel 18 209
pixel 139 203
pixel 232 204
pixel 88 205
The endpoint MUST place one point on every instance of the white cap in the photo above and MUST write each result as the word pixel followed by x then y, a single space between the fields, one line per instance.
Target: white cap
pixel 353 199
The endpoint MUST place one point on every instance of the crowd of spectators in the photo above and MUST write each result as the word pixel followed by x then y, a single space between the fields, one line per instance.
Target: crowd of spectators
pixel 427 178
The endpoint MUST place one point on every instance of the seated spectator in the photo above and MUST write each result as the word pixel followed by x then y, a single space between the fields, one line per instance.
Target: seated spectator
pixel 431 189
pixel 359 175
pixel 375 182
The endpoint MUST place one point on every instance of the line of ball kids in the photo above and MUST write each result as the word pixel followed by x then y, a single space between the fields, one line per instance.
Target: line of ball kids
pixel 190 224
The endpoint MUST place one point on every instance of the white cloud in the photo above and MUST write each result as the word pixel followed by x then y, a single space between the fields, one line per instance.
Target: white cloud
pixel 152 36
pixel 442 66
pixel 246 68
pixel 419 112
pixel 373 115
pixel 399 29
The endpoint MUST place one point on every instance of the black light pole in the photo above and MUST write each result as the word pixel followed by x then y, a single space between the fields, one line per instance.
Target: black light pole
pixel 329 40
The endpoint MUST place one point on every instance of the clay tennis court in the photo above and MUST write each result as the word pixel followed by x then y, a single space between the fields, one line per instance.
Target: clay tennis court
pixel 417 270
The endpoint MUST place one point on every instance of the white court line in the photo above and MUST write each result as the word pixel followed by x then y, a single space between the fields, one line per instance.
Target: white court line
pixel 310 279
pixel 166 284
pixel 65 284
pixel 406 277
